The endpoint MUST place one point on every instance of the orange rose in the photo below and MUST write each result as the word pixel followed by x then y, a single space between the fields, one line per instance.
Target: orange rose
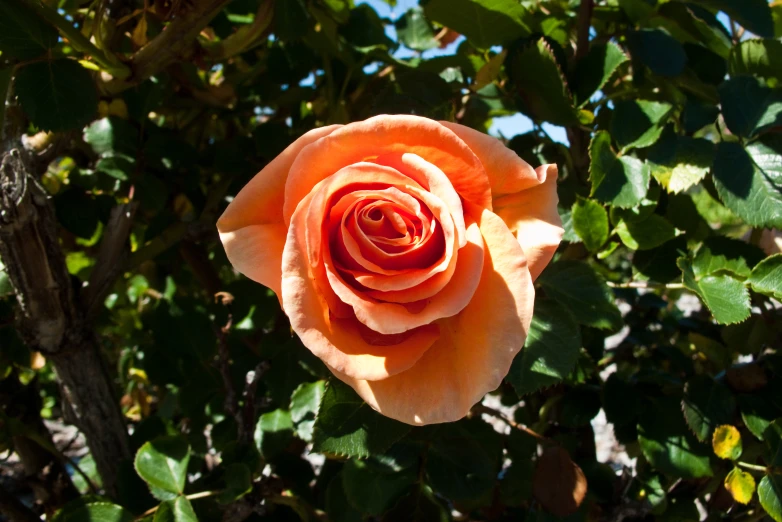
pixel 403 251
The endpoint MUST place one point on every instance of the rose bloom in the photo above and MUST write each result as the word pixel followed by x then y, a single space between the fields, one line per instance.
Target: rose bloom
pixel 403 250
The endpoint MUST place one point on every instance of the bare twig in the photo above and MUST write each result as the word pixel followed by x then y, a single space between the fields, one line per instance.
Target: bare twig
pixel 584 23
pixel 481 408
pixel 648 285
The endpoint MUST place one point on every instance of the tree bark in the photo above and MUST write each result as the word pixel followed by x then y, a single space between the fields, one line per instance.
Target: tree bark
pixel 52 319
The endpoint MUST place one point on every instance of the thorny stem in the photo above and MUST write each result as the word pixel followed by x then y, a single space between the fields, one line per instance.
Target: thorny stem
pixel 480 408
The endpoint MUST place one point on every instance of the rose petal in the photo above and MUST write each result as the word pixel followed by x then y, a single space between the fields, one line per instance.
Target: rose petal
pixel 261 200
pixel 507 172
pixel 386 134
pixel 475 348
pixel 392 318
pixel 532 215
pixel 431 178
pixel 256 251
pixel 343 344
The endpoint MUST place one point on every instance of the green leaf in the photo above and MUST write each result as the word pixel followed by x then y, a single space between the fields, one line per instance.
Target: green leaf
pixel 772 436
pixel 749 106
pixel 24 35
pixel 550 352
pixel 679 162
pixel 577 287
pixel 112 135
pixel 58 95
pixel 638 123
pixel 590 221
pixel 97 511
pixel 706 405
pixel 646 234
pixel 464 460
pixel 757 412
pixel 692 24
pixel 770 495
pixel 545 93
pixel 766 277
pixel 176 510
pixel 659 51
pixel 304 406
pixel 238 482
pixel 758 57
pixel 595 69
pixel 755 15
pixel 419 506
pixel 741 485
pixel 621 182
pixel 372 488
pixel 483 22
pixel 414 30
pixel 118 167
pixel 749 180
pixel 162 463
pixel 347 426
pixel 365 30
pixel 726 297
pixel 725 254
pixel 667 444
pixel 273 432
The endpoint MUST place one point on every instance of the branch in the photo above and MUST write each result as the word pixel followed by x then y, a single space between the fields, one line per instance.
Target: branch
pixel 481 408
pixel 108 62
pixel 192 496
pixel 111 256
pixel 584 23
pixel 648 285
pixel 245 37
pixel 169 46
pixel 51 316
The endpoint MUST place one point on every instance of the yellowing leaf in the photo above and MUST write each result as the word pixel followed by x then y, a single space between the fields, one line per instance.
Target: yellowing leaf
pixel 726 442
pixel 489 72
pixel 139 36
pixel 741 485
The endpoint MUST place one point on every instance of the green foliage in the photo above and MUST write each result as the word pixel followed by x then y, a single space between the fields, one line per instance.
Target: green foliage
pixel 660 309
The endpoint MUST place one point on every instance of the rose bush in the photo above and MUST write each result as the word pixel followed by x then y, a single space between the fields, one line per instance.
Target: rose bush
pixel 404 251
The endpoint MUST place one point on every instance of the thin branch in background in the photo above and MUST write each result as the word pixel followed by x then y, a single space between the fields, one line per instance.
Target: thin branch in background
pixel 648 285
pixel 584 24
pixel 481 408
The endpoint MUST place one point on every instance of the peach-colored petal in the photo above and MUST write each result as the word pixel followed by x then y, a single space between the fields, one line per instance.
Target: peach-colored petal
pixel 357 176
pixel 343 344
pixel 532 215
pixel 507 172
pixel 475 348
pixel 431 178
pixel 261 200
pixel 386 134
pixel 256 251
pixel 392 318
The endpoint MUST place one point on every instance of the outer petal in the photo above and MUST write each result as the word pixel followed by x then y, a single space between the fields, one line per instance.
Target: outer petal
pixel 532 215
pixel 386 134
pixel 261 200
pixel 256 251
pixel 475 348
pixel 507 172
pixel 343 344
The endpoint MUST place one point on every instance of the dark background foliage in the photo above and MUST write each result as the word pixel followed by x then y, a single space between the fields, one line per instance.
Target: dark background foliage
pixel 650 386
